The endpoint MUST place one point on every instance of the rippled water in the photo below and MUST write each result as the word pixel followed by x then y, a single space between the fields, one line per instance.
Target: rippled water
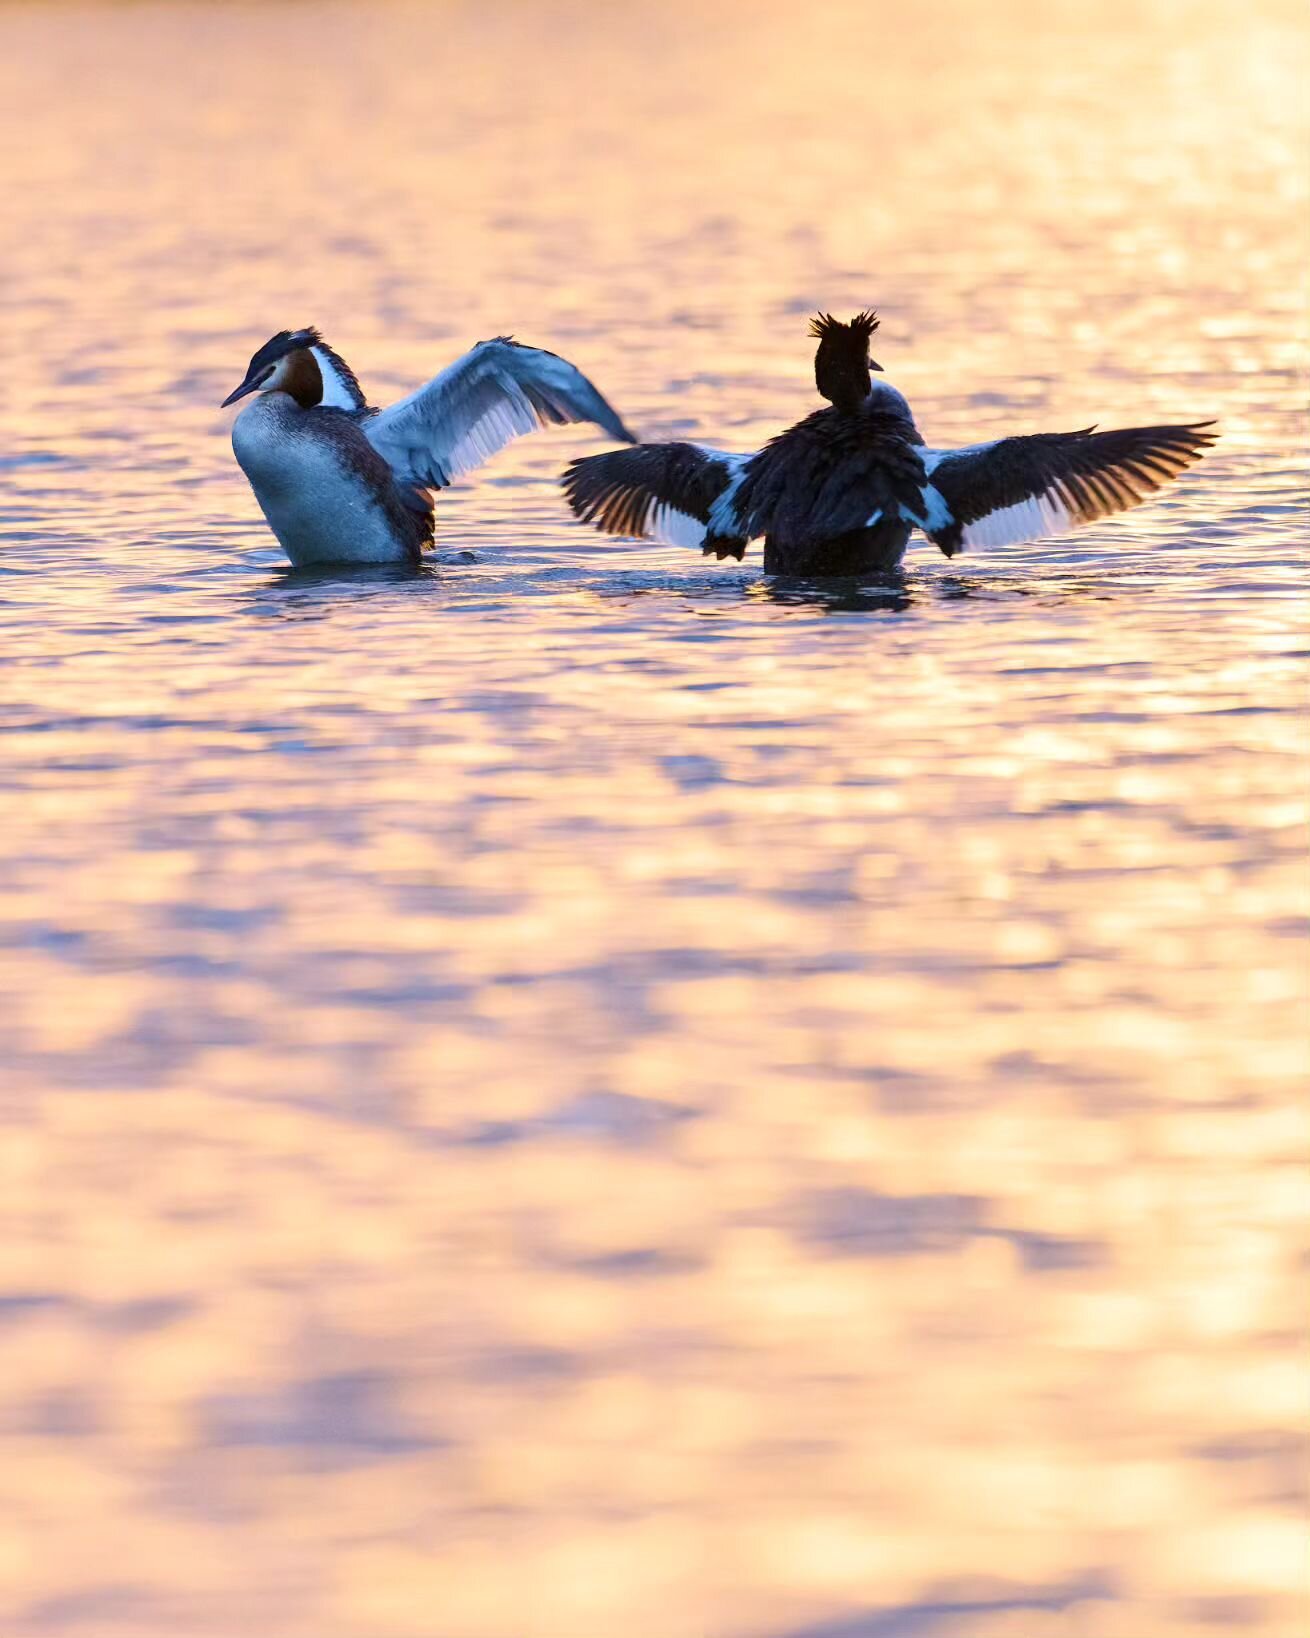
pixel 584 1093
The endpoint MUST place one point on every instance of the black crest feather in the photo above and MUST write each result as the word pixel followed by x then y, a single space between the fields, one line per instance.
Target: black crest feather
pixel 824 327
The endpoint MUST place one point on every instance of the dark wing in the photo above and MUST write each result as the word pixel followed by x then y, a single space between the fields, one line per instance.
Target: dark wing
pixel 498 390
pixel 681 494
pixel 1023 488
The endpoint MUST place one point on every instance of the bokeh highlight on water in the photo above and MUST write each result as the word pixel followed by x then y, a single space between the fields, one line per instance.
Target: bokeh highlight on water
pixel 583 1092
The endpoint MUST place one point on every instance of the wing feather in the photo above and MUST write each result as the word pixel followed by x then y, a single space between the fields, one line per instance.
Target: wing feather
pixel 1019 489
pixel 681 494
pixel 498 391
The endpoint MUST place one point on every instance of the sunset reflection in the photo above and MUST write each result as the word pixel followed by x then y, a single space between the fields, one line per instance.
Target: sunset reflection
pixel 582 1092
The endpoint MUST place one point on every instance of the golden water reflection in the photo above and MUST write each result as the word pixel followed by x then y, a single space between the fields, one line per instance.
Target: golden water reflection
pixel 580 1093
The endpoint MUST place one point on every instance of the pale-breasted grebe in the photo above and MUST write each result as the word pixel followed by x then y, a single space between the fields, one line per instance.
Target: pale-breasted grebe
pixel 340 482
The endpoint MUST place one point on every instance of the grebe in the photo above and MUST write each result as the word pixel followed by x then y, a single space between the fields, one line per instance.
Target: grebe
pixel 340 482
pixel 840 492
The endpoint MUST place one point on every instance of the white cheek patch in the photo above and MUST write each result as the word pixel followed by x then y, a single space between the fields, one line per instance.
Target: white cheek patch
pixel 337 393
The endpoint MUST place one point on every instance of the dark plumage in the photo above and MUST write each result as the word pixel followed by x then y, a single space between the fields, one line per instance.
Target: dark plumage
pixel 1090 474
pixel 842 362
pixel 841 486
pixel 841 491
pixel 618 490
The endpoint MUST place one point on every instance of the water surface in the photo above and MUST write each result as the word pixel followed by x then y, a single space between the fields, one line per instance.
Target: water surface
pixel 581 1092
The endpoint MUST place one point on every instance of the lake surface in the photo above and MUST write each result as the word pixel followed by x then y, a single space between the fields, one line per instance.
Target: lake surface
pixel 583 1092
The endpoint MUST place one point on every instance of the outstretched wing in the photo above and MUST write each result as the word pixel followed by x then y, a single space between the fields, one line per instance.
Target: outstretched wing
pixel 498 390
pixel 682 494
pixel 1019 489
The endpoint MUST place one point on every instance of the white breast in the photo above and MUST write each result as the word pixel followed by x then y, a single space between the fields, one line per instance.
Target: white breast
pixel 320 511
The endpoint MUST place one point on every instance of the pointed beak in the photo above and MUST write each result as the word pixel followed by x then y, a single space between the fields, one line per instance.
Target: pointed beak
pixel 873 365
pixel 248 385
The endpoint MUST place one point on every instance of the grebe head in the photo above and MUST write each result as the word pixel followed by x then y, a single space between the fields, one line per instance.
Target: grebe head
pixel 285 363
pixel 842 362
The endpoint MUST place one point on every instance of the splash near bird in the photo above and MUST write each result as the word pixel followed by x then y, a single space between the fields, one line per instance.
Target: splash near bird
pixel 840 492
pixel 340 482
